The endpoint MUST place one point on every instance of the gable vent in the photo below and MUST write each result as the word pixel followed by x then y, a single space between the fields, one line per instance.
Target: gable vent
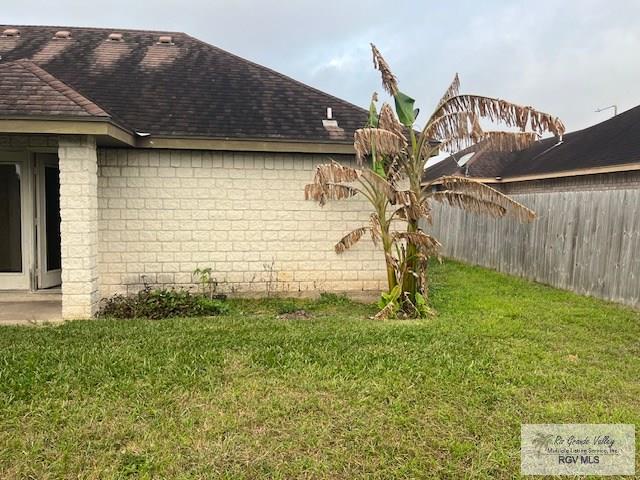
pixel 165 40
pixel 11 32
pixel 62 35
pixel 115 37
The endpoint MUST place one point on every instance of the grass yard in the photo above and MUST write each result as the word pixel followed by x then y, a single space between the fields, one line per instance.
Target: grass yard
pixel 250 395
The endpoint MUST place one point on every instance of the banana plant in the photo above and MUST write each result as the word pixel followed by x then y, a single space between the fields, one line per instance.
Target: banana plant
pixel 391 156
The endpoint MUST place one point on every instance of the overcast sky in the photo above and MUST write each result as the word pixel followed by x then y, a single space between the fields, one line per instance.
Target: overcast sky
pixel 567 57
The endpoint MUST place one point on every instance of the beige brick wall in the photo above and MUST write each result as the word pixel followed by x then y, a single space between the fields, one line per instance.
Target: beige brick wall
pixel 163 213
pixel 79 225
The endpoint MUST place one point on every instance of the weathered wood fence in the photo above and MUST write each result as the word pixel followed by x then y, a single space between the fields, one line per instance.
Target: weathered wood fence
pixel 584 241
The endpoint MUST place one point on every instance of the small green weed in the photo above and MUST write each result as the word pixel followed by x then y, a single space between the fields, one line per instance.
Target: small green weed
pixel 327 298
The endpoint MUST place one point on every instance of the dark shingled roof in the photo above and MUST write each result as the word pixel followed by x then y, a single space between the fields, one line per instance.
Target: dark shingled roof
pixel 481 164
pixel 187 88
pixel 27 90
pixel 613 142
pixel 447 166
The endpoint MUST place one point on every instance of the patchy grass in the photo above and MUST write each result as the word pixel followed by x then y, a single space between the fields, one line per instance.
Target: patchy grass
pixel 332 395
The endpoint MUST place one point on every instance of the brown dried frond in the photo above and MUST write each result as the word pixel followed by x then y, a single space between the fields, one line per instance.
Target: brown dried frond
pixel 335 172
pixel 455 131
pixel 385 313
pixel 350 239
pixel 405 197
pixel 452 91
pixel 389 81
pixel 394 171
pixel 469 203
pixel 388 121
pixel 456 144
pixel 326 182
pixel 376 228
pixel 498 110
pixel 318 193
pixel 321 192
pixel 314 191
pixel 392 260
pixel 383 141
pixel 426 244
pixel 457 124
pixel 485 192
pixel 490 141
pixel 412 206
pixel 416 211
pixel 507 141
pixel 336 191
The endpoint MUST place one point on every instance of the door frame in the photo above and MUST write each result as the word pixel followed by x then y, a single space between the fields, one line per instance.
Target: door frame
pixel 44 278
pixel 23 280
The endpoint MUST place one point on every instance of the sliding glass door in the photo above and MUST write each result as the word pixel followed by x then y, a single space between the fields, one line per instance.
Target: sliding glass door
pixel 10 218
pixel 14 233
pixel 48 237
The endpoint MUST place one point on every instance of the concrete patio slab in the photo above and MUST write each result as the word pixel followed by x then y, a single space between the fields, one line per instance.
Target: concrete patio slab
pixel 27 308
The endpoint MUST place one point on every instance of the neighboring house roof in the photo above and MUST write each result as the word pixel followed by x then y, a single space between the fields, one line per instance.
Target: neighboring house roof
pixel 177 88
pixel 609 144
pixel 481 164
pixel 27 90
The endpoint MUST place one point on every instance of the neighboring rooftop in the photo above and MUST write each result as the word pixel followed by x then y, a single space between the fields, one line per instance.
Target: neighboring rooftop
pixel 610 143
pixel 165 84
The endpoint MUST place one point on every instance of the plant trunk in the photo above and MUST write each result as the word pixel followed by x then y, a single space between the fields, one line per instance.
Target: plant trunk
pixel 392 280
pixel 391 277
pixel 410 282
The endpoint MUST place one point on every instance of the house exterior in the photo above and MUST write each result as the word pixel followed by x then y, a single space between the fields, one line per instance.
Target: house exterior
pixel 586 194
pixel 132 157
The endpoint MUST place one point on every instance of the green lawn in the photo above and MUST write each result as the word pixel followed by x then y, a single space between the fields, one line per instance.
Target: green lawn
pixel 251 395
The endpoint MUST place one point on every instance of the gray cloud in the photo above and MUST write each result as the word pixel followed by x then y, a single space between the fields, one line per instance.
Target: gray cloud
pixel 564 57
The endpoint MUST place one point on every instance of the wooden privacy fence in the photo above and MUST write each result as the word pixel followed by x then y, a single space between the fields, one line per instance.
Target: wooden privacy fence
pixel 584 241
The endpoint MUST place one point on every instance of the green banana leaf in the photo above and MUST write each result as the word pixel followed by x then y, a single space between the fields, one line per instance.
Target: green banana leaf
pixel 404 109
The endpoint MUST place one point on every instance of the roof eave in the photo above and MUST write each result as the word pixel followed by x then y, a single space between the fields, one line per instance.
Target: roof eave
pixel 622 167
pixel 111 134
pixel 246 144
pixel 103 128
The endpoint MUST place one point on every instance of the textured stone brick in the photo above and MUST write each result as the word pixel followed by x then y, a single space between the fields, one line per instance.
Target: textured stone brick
pixel 79 225
pixel 242 214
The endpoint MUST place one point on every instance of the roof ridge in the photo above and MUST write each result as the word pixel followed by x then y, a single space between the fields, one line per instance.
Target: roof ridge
pixel 109 29
pixel 83 102
pixel 614 118
pixel 281 75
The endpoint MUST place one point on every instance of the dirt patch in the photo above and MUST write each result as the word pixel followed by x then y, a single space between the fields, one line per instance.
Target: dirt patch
pixel 297 315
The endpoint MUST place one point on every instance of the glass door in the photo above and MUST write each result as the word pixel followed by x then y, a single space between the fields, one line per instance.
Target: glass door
pixel 48 225
pixel 14 245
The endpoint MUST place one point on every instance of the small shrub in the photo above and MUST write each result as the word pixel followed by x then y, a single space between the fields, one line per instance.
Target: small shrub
pixel 160 303
pixel 286 306
pixel 327 298
pixel 211 306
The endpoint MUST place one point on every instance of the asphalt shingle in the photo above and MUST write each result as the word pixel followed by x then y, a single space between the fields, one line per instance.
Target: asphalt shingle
pixel 28 90
pixel 187 88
